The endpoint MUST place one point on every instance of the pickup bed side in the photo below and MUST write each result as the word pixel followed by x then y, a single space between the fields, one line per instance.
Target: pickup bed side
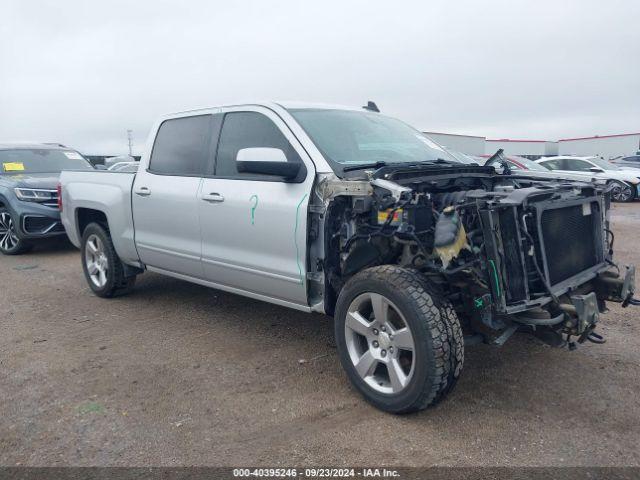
pixel 100 196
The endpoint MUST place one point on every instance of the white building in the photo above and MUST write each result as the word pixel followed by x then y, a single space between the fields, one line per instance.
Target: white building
pixel 469 144
pixel 523 148
pixel 606 146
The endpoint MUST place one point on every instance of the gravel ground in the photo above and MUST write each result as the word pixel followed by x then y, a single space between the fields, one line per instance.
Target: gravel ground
pixel 177 374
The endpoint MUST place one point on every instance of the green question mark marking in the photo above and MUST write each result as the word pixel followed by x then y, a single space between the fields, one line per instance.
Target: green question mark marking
pixel 253 209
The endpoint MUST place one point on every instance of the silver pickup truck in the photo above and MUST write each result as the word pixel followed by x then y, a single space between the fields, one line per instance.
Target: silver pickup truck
pixel 353 214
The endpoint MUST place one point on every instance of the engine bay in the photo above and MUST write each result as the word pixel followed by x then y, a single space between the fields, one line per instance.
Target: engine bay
pixel 506 250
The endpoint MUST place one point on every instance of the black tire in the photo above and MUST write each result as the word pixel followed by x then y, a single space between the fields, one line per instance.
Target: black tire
pixel 436 331
pixel 456 345
pixel 622 192
pixel 116 282
pixel 455 334
pixel 14 245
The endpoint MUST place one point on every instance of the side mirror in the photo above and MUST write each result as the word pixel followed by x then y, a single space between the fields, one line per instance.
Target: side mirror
pixel 596 170
pixel 266 161
pixel 100 167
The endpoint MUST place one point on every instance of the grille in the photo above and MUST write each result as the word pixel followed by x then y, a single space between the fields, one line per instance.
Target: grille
pixel 572 240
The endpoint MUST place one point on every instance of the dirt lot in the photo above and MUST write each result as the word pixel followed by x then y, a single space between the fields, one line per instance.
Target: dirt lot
pixel 177 374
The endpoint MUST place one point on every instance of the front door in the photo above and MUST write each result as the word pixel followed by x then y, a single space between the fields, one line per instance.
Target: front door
pixel 254 227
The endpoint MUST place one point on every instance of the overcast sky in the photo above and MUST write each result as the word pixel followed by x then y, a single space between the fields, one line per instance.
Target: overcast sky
pixel 83 72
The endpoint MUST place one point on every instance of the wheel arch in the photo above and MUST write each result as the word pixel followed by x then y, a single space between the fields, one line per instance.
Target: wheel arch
pixel 4 202
pixel 85 216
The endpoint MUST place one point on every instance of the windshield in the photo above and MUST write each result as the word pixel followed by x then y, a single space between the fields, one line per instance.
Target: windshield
pixel 348 138
pixel 44 160
pixel 462 157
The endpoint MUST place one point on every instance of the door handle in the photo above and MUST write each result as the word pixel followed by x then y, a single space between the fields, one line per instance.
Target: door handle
pixel 143 191
pixel 212 197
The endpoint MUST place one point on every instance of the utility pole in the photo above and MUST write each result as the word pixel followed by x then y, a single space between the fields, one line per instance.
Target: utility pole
pixel 130 140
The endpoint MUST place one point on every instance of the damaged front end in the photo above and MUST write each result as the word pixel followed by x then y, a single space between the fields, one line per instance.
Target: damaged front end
pixel 510 253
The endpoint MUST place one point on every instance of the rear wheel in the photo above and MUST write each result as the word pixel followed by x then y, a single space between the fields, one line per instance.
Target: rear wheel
pixel 102 267
pixel 10 243
pixel 622 192
pixel 401 349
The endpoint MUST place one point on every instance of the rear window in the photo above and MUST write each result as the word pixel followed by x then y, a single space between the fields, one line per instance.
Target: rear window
pixel 182 146
pixel 46 160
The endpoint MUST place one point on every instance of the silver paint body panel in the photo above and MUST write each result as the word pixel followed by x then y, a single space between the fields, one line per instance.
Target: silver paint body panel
pixel 250 238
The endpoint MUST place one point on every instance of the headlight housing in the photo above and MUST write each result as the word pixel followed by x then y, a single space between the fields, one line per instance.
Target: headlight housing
pixel 35 195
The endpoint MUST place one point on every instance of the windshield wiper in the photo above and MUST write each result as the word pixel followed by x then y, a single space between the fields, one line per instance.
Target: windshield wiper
pixel 381 164
pixel 364 166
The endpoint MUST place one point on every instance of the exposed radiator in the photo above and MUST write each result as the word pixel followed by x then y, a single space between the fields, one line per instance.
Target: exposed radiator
pixel 572 240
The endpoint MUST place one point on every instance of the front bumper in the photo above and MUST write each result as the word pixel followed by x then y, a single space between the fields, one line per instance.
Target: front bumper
pixel 37 221
pixel 39 226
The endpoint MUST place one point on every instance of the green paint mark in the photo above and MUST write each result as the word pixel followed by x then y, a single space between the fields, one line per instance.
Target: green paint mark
pixel 253 209
pixel 295 240
pixel 495 277
pixel 90 407
pixel 479 302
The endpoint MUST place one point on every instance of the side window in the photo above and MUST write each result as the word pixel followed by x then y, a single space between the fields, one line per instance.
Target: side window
pixel 248 130
pixel 552 164
pixel 576 165
pixel 181 146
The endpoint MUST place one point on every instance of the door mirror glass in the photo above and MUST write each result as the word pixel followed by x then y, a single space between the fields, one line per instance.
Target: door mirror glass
pixel 596 170
pixel 261 154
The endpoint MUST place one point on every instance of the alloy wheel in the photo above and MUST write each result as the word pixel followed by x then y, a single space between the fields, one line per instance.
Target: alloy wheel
pixel 96 261
pixel 622 193
pixel 8 236
pixel 380 343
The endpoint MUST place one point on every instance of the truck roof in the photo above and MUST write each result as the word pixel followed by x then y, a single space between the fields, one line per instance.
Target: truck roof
pixel 271 104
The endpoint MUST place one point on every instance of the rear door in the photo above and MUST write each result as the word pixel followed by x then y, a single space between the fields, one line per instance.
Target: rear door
pixel 254 227
pixel 165 195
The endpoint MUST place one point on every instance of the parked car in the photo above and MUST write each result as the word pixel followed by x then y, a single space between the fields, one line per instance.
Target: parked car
pixel 632 161
pixel 625 181
pixel 524 167
pixel 111 161
pixel 124 167
pixel 29 176
pixel 516 162
pixel 353 214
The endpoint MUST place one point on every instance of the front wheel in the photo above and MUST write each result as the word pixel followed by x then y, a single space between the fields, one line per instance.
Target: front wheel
pixel 622 192
pixel 10 243
pixel 401 348
pixel 102 267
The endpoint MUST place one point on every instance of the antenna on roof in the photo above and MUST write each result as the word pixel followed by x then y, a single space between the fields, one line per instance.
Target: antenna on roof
pixel 371 106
